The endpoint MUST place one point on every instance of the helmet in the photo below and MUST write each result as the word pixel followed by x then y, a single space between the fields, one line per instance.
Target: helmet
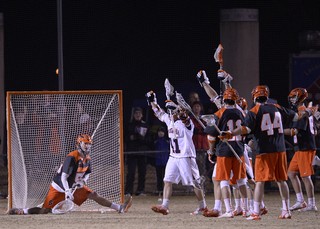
pixel 260 91
pixel 296 96
pixel 173 108
pixel 231 94
pixel 242 102
pixel 86 139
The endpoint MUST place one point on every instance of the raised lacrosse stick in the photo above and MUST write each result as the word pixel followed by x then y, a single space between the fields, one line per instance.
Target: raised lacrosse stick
pixel 183 104
pixel 218 58
pixel 169 92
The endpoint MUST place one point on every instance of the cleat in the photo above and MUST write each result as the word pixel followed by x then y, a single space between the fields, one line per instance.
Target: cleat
pixel 227 215
pixel 16 211
pixel 212 213
pixel 254 217
pixel 246 214
pixel 263 210
pixel 285 215
pixel 160 209
pixel 126 205
pixel 308 208
pixel 237 212
pixel 200 211
pixel 298 205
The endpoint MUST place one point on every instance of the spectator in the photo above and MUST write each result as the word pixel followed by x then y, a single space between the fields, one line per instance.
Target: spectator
pixel 161 144
pixel 199 138
pixel 138 138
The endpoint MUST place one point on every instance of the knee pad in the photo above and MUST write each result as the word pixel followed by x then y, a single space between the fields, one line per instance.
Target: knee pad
pixel 242 181
pixel 224 183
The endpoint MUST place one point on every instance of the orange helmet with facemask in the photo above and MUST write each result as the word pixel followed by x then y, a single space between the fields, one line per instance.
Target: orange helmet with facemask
pixel 260 91
pixel 296 96
pixel 85 139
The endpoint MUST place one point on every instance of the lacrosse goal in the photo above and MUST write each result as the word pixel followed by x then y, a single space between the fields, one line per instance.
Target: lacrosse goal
pixel 42 129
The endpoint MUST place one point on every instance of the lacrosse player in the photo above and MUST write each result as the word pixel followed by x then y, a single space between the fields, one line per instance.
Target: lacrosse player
pixel 181 165
pixel 265 121
pixel 303 132
pixel 228 118
pixel 74 172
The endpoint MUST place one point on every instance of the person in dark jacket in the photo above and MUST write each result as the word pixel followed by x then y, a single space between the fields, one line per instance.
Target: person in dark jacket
pixel 138 138
pixel 161 144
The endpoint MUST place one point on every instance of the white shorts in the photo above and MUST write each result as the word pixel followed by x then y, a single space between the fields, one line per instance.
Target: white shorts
pixel 184 169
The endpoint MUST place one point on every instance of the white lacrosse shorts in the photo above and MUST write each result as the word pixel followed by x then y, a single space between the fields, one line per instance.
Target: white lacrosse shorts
pixel 184 169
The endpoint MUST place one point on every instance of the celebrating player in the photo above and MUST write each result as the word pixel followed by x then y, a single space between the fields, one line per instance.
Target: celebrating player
pixel 74 171
pixel 305 149
pixel 265 121
pixel 228 118
pixel 182 165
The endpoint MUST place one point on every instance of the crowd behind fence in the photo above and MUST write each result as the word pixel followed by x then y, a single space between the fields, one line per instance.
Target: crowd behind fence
pixel 205 168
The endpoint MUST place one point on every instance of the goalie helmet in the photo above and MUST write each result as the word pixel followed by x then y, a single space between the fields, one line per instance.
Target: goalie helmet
pixel 296 96
pixel 231 94
pixel 85 149
pixel 242 102
pixel 260 91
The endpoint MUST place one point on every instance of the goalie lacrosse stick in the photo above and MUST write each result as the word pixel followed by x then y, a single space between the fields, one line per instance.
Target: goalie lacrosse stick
pixel 65 205
pixel 182 103
pixel 169 91
pixel 218 58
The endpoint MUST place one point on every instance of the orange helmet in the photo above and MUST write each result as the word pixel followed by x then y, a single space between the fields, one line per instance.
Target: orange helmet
pixel 260 91
pixel 297 95
pixel 231 94
pixel 242 102
pixel 86 139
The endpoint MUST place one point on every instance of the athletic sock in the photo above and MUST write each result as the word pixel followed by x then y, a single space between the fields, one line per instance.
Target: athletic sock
pixel 256 207
pixel 217 205
pixel 300 197
pixel 237 202
pixel 227 203
pixel 202 203
pixel 115 206
pixel 285 204
pixel 312 201
pixel 165 202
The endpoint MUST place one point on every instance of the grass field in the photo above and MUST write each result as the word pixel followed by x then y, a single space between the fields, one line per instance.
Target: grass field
pixel 140 216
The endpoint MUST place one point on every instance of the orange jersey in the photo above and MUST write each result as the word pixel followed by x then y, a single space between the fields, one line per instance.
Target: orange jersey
pixel 75 166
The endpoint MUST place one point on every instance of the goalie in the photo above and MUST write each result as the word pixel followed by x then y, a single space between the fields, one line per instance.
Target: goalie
pixel 74 172
pixel 182 165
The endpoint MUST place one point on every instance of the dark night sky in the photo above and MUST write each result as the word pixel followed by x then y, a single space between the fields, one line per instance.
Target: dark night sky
pixel 134 45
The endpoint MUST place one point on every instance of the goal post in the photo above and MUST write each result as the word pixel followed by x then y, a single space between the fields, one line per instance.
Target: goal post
pixel 42 128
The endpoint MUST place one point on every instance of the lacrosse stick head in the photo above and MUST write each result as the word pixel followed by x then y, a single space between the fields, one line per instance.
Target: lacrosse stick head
pixel 209 119
pixel 182 103
pixel 218 55
pixel 199 183
pixel 169 88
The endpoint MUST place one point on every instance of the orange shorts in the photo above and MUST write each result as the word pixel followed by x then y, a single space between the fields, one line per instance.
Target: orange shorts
pixel 54 196
pixel 302 162
pixel 271 166
pixel 226 164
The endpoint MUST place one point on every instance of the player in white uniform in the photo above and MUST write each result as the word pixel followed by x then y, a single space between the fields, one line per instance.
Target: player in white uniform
pixel 181 165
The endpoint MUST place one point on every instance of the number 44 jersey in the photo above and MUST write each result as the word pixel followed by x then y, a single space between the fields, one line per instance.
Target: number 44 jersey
pixel 266 123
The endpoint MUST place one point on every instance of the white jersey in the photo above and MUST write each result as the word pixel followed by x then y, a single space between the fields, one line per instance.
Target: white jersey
pixel 181 143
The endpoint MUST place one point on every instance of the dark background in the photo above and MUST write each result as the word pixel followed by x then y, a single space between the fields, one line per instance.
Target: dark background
pixel 134 45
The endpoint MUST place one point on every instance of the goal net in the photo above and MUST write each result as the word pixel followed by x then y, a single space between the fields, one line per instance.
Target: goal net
pixel 43 128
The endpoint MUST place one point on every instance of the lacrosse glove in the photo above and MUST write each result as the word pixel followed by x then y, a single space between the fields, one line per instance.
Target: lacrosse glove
pixel 151 97
pixel 202 78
